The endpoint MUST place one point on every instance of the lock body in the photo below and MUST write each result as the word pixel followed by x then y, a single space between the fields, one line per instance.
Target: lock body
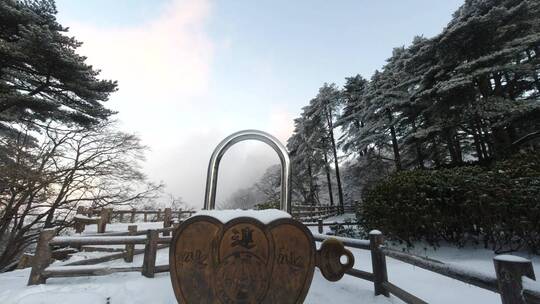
pixel 243 260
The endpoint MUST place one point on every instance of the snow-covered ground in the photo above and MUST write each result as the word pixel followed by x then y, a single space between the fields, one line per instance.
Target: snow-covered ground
pixel 132 287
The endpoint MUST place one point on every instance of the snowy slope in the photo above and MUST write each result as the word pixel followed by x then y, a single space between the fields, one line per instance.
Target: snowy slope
pixel 134 288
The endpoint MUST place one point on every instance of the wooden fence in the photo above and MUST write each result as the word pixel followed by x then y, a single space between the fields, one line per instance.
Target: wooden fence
pixel 48 243
pixel 320 224
pixel 104 216
pixel 314 213
pixel 510 270
pixel 149 215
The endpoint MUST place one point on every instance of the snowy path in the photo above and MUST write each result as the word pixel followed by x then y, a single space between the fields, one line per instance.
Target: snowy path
pixel 127 288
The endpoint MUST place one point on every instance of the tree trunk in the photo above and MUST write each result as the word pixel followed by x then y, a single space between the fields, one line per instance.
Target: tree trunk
pixel 501 142
pixel 534 73
pixel 510 85
pixel 395 147
pixel 336 164
pixel 481 138
pixel 484 85
pixel 436 155
pixel 328 179
pixel 477 145
pixel 311 194
pixel 418 148
pixel 50 218
pixel 457 145
pixel 452 147
pixel 498 84
pixel 487 144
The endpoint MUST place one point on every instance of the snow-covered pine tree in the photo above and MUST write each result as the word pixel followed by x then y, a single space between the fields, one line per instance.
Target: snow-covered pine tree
pixel 41 75
pixel 306 163
pixel 349 120
pixel 487 82
pixel 324 111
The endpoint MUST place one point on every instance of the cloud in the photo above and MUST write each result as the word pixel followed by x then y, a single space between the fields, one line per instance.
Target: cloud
pixel 184 165
pixel 162 64
pixel 165 72
pixel 281 124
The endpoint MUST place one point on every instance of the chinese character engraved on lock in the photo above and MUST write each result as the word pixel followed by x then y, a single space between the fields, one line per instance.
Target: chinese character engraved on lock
pixel 246 260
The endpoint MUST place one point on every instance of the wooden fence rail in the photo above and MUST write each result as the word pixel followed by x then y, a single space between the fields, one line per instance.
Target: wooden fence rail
pixel 306 213
pixel 314 213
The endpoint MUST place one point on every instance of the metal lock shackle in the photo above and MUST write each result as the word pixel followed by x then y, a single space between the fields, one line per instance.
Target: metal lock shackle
pixel 224 145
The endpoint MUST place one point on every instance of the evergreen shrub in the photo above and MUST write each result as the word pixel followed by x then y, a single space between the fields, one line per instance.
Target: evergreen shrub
pixel 267 205
pixel 498 206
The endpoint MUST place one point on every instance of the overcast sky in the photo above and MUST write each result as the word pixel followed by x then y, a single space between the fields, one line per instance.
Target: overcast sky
pixel 191 72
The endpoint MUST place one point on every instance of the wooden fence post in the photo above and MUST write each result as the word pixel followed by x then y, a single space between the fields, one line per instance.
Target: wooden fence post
pixel 102 222
pixel 509 270
pixel 320 224
pixel 130 248
pixel 42 257
pixel 150 249
pixel 25 261
pixel 167 220
pixel 109 215
pixel 175 228
pixel 79 227
pixel 80 210
pixel 132 220
pixel 378 261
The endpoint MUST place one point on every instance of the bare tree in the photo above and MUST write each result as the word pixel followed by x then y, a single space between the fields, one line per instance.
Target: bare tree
pixel 268 187
pixel 167 200
pixel 47 175
pixel 178 203
pixel 244 198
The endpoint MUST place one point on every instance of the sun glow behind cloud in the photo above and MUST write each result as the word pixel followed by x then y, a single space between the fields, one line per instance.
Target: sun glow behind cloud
pixel 164 70
pixel 163 66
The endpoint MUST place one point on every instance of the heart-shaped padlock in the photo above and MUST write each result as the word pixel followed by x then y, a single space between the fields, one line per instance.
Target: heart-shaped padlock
pixel 246 261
